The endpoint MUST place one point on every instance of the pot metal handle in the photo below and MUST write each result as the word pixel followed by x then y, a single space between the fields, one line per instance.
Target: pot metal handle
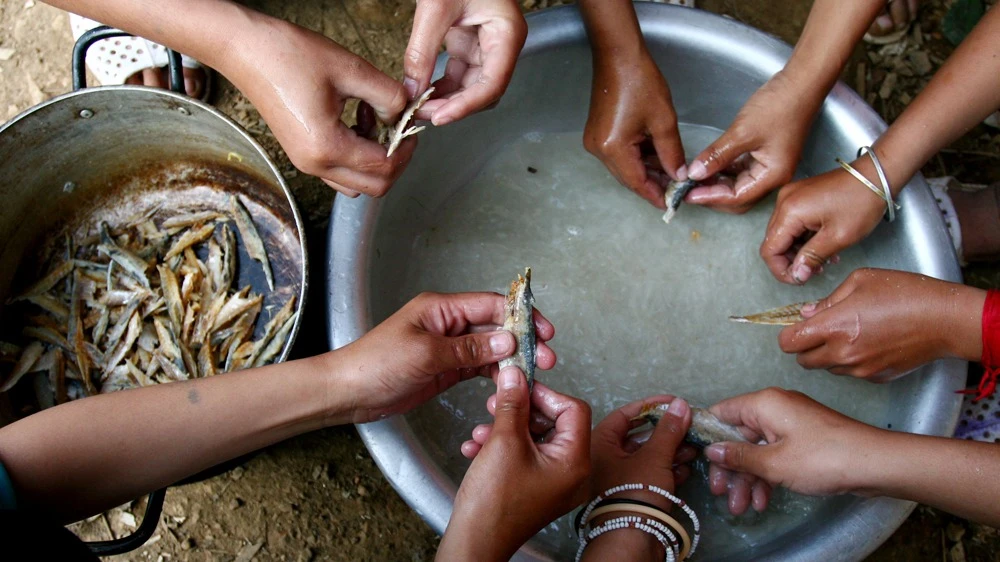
pixel 174 67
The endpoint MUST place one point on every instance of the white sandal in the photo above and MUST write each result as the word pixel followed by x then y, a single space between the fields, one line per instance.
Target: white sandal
pixel 114 60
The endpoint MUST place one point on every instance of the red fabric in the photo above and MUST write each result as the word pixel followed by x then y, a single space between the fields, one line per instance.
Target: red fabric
pixel 991 347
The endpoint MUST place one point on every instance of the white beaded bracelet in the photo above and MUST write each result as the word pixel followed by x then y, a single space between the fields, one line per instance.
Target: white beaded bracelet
pixel 581 532
pixel 629 522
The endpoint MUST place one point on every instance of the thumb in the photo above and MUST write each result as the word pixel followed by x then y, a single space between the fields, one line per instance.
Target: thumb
pixel 472 350
pixel 671 429
pixel 513 403
pixel 718 156
pixel 741 457
pixel 813 255
pixel 431 23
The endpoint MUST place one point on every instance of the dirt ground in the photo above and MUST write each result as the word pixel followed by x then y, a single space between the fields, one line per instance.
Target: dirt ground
pixel 320 496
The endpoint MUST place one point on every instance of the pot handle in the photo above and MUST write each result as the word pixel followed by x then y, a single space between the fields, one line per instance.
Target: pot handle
pixel 175 69
pixel 128 543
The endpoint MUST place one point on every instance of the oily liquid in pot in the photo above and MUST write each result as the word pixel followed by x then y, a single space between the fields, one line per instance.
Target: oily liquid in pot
pixel 640 307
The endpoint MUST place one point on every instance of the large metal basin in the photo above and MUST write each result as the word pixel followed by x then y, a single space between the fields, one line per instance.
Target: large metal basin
pixel 713 65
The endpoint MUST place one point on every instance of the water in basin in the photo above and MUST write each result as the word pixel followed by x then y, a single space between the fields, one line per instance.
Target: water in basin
pixel 640 307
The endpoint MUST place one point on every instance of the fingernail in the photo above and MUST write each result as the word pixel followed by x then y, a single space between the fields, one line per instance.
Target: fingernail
pixel 801 273
pixel 510 378
pixel 716 453
pixel 439 119
pixel 678 408
pixel 191 86
pixel 502 343
pixel 410 85
pixel 884 22
pixel 682 173
pixel 808 307
pixel 698 171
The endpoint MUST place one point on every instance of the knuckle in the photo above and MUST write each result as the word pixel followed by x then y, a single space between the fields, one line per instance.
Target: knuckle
pixel 465 350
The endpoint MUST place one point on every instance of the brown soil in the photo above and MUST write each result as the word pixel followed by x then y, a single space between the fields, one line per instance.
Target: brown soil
pixel 320 496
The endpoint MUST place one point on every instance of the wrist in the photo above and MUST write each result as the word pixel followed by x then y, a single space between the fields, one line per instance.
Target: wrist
pixel 625 544
pixel 337 394
pixel 965 321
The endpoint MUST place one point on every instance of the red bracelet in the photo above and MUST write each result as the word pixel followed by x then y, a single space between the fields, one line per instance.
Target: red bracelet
pixel 991 347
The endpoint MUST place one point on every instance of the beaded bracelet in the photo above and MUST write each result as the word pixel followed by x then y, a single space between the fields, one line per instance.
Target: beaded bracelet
pixel 633 522
pixel 656 514
pixel 656 490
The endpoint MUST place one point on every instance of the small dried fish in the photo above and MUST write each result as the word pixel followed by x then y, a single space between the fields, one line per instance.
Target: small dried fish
pixel 131 263
pixel 518 320
pixel 102 326
pixel 705 427
pixel 781 316
pixel 172 296
pixel 270 329
pixel 46 335
pixel 171 370
pixel 277 343
pixel 235 306
pixel 48 282
pixel 251 238
pixel 124 346
pixel 188 239
pixel 400 130
pixel 676 191
pixel 29 356
pixel 190 219
pixel 49 304
pixel 206 360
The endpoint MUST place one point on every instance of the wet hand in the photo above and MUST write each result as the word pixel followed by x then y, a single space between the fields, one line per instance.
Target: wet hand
pixel 880 324
pixel 759 151
pixel 816 218
pixel 299 81
pixel 432 343
pixel 659 460
pixel 632 127
pixel 810 449
pixel 483 39
pixel 517 484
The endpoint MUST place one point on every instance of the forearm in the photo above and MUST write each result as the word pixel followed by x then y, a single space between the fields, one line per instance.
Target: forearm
pixel 79 458
pixel 962 315
pixel 957 476
pixel 962 93
pixel 832 30
pixel 215 32
pixel 613 29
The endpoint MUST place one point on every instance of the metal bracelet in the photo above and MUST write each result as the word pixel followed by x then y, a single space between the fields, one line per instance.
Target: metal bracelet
pixel 890 204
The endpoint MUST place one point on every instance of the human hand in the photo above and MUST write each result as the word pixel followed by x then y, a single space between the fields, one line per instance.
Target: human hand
pixel 880 324
pixel 432 343
pixel 761 148
pixel 632 127
pixel 816 218
pixel 517 485
pixel 483 39
pixel 810 449
pixel 299 81
pixel 660 461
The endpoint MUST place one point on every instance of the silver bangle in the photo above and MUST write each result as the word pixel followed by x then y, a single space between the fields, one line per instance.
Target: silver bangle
pixel 890 204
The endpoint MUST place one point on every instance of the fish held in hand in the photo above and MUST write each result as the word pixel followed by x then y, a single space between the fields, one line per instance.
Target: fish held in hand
pixel 676 192
pixel 519 320
pixel 705 427
pixel 401 130
pixel 781 316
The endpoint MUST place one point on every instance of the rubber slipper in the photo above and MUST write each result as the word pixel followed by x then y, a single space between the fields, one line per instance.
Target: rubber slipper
pixel 114 60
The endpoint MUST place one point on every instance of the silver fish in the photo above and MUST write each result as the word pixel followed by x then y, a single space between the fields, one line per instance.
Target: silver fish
pixel 131 263
pixel 400 130
pixel 705 427
pixel 676 191
pixel 781 316
pixel 251 238
pixel 518 320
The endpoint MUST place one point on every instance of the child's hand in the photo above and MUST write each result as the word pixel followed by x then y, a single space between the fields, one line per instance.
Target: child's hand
pixel 432 343
pixel 810 449
pixel 299 81
pixel 517 485
pixel 761 148
pixel 632 127
pixel 483 39
pixel 881 324
pixel 824 214
pixel 660 460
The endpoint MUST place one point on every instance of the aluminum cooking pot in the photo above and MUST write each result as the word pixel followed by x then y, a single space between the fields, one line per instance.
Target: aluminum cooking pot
pixel 713 65
pixel 103 149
